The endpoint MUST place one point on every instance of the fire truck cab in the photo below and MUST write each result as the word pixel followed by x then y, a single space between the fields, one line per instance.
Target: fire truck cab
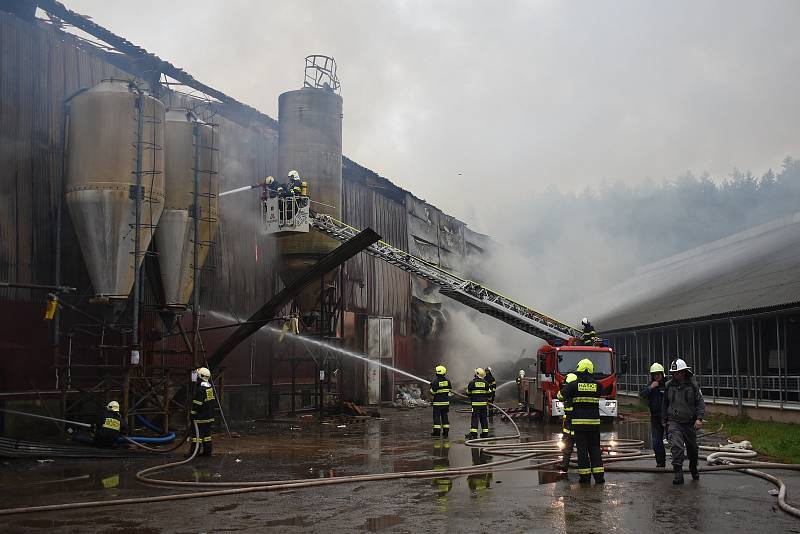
pixel 553 363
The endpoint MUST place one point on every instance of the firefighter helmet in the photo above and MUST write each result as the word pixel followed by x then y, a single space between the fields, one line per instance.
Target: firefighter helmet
pixel 113 406
pixel 293 175
pixel 204 373
pixel 656 368
pixel 480 373
pixel 679 365
pixel 440 369
pixel 585 321
pixel 572 377
pixel 521 373
pixel 269 180
pixel 585 366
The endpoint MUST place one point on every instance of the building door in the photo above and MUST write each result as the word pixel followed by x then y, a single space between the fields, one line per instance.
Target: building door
pixel 380 348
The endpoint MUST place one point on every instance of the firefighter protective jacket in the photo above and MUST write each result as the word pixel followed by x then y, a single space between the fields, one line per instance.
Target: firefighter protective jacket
pixel 203 403
pixel 478 391
pixel 492 383
pixel 440 389
pixel 109 425
pixel 584 395
pixel 566 423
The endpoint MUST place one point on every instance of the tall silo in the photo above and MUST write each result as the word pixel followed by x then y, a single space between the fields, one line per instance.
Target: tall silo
pixel 100 183
pixel 310 141
pixel 175 232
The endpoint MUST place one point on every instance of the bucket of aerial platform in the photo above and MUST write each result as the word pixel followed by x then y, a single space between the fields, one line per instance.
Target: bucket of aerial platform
pixel 103 148
pixel 310 142
pixel 184 135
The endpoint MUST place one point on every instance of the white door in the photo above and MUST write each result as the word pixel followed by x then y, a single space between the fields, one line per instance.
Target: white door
pixel 380 348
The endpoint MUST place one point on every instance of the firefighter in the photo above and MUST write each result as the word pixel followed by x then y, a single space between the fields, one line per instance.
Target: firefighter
pixel 478 392
pixel 589 336
pixel 584 396
pixel 567 434
pixel 202 411
pixel 109 426
pixel 654 395
pixel 293 183
pixel 520 376
pixel 492 383
pixel 682 415
pixel 269 188
pixel 440 389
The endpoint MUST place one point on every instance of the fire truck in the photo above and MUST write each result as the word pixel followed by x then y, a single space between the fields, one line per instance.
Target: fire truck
pixel 288 215
pixel 554 361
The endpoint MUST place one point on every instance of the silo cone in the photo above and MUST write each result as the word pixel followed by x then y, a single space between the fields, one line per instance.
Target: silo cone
pixel 101 178
pixel 175 232
pixel 310 142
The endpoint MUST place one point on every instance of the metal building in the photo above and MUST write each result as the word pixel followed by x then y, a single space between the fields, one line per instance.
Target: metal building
pixel 730 308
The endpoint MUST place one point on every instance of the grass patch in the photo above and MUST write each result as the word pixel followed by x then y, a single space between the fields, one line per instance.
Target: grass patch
pixel 777 440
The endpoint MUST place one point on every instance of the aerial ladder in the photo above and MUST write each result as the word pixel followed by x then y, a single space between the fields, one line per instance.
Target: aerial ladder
pixel 293 214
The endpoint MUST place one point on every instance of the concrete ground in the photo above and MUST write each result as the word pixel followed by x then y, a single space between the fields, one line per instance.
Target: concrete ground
pixel 519 501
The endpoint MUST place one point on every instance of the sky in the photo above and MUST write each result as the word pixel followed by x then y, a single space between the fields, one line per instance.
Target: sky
pixel 452 98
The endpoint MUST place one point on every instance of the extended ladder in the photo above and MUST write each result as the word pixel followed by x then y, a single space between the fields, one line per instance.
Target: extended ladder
pixel 464 291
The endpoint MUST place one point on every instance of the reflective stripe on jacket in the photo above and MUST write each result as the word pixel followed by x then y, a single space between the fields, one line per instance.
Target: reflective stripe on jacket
pixel 440 389
pixel 478 391
pixel 584 396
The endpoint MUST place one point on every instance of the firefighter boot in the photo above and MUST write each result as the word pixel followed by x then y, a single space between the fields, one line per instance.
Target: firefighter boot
pixel 693 469
pixel 445 432
pixel 435 433
pixel 471 435
pixel 678 475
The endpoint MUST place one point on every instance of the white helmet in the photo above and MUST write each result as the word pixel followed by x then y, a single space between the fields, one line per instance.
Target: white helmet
pixel 293 174
pixel 679 365
pixel 204 373
pixel 113 406
pixel 269 180
pixel 585 321
pixel 522 372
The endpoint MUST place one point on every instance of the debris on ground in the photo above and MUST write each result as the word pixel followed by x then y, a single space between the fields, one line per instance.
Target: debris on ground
pixel 409 396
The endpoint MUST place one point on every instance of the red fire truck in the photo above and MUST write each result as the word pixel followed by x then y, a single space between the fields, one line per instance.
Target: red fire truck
pixel 539 388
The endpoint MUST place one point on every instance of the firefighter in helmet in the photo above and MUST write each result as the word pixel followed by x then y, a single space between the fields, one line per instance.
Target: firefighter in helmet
pixel 492 383
pixel 654 395
pixel 567 434
pixel 202 411
pixel 584 396
pixel 520 376
pixel 478 392
pixel 682 414
pixel 440 390
pixel 109 426
pixel 588 336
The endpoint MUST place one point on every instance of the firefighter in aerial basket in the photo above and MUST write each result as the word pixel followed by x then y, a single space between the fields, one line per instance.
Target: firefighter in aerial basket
pixel 440 390
pixel 584 396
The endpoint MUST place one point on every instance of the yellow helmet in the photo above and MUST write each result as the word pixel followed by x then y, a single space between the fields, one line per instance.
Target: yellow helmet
pixel 113 406
pixel 480 373
pixel 585 366
pixel 440 369
pixel 656 368
pixel 572 377
pixel 204 373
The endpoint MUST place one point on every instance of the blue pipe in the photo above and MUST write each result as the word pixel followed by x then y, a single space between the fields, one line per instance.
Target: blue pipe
pixel 149 425
pixel 144 439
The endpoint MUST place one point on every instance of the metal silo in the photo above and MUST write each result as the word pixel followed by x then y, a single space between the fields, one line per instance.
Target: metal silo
pixel 310 141
pixel 175 232
pixel 103 135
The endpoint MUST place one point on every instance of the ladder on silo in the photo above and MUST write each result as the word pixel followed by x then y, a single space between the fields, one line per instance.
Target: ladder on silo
pixel 467 292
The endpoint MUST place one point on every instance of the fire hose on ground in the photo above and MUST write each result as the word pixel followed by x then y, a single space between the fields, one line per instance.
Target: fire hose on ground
pixel 545 453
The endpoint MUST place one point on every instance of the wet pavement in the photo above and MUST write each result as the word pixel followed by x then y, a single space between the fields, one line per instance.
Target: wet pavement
pixel 518 501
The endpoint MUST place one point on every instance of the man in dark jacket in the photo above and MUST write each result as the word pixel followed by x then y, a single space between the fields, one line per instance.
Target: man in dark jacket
pixel 567 434
pixel 440 390
pixel 584 396
pixel 654 395
pixel 682 414
pixel 492 383
pixel 478 392
pixel 588 336
pixel 109 426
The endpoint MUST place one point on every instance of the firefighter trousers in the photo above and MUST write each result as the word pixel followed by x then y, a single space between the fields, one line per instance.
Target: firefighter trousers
pixel 590 457
pixel 480 417
pixel 658 441
pixel 204 441
pixel 569 445
pixel 440 418
pixel 679 434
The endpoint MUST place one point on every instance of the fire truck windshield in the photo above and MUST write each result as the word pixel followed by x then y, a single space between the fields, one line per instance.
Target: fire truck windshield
pixel 568 361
